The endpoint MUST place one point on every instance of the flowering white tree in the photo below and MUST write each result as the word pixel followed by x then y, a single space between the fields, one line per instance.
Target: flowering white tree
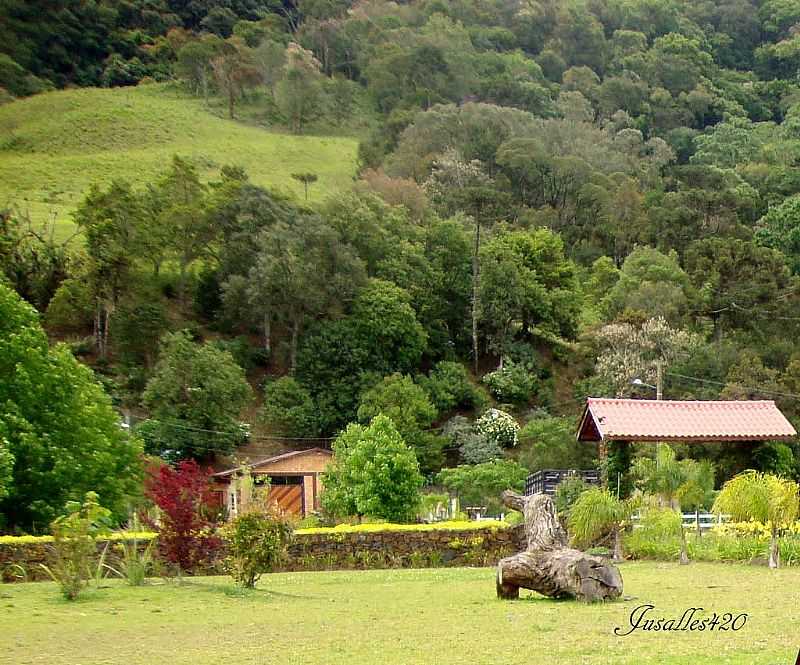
pixel 629 352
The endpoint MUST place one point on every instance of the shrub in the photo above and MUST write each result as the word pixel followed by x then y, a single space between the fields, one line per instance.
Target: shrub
pixel 482 484
pixel 498 426
pixel 289 409
pixel 183 494
pixel 74 544
pixel 256 542
pixel 658 535
pixel 478 448
pixel 449 387
pixel 514 383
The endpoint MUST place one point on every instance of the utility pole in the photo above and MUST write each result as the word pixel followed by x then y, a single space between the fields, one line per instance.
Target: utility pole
pixel 659 379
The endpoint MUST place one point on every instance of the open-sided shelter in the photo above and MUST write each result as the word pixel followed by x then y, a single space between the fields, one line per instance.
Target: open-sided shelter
pixel 683 421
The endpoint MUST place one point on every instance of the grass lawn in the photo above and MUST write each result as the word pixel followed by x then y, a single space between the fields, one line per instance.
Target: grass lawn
pixel 54 145
pixel 431 617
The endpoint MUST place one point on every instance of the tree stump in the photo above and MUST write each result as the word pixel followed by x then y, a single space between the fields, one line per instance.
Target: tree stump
pixel 549 566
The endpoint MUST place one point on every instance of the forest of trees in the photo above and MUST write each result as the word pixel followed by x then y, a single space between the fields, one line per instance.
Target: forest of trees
pixel 553 196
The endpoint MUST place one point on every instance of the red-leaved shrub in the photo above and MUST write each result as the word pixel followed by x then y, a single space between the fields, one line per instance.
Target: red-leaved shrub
pixel 187 526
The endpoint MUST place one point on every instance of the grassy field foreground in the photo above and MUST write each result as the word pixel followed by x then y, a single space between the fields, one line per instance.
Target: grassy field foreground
pixel 443 616
pixel 54 145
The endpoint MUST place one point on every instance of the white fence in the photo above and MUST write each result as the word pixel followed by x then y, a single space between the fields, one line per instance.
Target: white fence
pixel 690 520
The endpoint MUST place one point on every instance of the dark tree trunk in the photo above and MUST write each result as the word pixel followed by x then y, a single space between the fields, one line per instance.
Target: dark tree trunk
pixel 549 566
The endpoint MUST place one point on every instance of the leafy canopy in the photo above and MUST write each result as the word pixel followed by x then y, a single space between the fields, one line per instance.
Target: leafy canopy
pixel 195 396
pixel 60 452
pixel 374 473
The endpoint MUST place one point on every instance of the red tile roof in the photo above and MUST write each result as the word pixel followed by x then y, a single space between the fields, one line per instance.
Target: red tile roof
pixel 667 420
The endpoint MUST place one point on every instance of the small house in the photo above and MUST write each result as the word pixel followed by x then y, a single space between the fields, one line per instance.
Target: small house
pixel 293 477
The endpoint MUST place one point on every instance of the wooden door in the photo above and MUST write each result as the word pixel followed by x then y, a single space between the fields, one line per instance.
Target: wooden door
pixel 288 498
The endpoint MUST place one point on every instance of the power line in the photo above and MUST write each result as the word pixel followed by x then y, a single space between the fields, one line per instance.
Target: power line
pixel 735 385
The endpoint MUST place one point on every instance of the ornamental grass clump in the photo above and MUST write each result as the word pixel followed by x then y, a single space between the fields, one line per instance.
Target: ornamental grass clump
pixel 256 543
pixel 74 545
pixel 134 561
pixel 598 512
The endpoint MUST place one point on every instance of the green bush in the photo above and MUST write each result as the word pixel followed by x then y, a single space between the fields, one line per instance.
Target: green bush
pixel 449 387
pixel 657 536
pixel 289 409
pixel 513 383
pixel 256 542
pixel 477 448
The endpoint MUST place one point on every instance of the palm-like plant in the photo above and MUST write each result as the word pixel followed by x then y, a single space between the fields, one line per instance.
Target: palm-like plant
pixel 677 484
pixel 596 512
pixel 763 497
pixel 662 476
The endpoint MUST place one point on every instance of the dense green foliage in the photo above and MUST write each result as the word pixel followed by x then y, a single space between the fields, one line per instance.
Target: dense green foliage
pixel 482 484
pixel 374 474
pixel 195 397
pixel 60 452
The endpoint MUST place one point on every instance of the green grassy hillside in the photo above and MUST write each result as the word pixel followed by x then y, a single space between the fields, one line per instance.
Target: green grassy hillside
pixel 53 146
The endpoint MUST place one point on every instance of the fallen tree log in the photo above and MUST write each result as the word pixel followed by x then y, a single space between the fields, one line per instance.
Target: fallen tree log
pixel 549 566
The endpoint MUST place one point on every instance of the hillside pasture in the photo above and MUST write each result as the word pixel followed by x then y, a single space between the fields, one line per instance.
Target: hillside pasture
pixel 55 145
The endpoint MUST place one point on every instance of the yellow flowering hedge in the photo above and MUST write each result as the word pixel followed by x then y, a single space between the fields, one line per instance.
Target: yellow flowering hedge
pixel 752 528
pixel 339 528
pixel 381 526
pixel 31 540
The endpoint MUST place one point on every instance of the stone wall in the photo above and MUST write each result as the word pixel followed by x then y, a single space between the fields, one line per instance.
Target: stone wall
pixel 403 549
pixel 333 551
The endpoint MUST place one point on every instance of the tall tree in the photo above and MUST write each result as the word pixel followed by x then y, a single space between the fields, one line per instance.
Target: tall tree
pixel 304 271
pixel 111 222
pixel 62 450
pixel 194 397
pixel 234 71
pixel 299 92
